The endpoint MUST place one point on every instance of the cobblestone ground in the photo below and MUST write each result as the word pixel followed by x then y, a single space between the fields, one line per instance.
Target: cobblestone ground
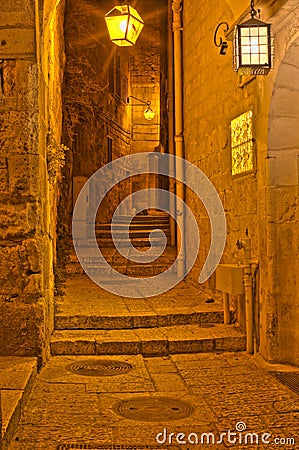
pixel 227 391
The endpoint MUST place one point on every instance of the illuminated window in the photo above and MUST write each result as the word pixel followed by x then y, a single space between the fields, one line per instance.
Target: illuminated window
pixel 242 144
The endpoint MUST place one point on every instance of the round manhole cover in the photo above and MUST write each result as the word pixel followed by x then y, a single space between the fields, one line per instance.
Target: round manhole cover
pixel 99 368
pixel 153 409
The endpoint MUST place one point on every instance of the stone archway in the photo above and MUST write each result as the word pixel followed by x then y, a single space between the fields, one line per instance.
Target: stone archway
pixel 283 165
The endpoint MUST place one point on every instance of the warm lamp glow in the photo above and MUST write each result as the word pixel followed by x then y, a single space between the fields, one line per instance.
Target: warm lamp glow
pixel 253 48
pixel 149 114
pixel 124 25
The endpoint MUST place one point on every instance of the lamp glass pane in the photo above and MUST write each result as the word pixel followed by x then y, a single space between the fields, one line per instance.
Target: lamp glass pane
pixel 244 31
pixel 245 49
pixel 263 31
pixel 264 40
pixel 245 40
pixel 254 31
pixel 264 59
pixel 134 29
pixel 254 46
pixel 264 49
pixel 255 59
pixel 117 26
pixel 245 59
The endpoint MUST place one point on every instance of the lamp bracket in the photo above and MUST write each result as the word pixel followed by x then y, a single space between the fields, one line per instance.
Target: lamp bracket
pixel 218 41
pixel 148 103
pixel 254 12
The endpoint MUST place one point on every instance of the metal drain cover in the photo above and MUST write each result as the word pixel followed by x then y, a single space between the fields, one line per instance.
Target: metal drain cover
pixel 289 379
pixel 153 409
pixel 99 368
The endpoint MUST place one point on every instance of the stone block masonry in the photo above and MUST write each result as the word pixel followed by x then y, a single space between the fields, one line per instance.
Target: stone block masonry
pixel 25 234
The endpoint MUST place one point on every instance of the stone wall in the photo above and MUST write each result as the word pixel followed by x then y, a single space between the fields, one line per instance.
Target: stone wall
pixel 257 201
pixel 212 100
pixel 26 240
pixel 280 230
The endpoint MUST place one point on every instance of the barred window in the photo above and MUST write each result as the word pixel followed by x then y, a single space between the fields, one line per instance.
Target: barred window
pixel 242 144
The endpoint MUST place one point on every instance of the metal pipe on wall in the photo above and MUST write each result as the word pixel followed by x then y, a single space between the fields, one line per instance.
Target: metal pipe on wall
pixel 247 279
pixel 177 7
pixel 170 120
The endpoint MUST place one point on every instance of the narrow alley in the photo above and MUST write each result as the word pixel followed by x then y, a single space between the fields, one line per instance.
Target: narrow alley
pixel 149 224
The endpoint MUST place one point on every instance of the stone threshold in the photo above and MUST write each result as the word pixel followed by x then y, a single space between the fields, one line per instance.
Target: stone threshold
pixel 17 375
pixel 148 341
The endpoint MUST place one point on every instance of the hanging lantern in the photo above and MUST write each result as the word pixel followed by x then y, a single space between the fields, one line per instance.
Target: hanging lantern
pixel 124 25
pixel 149 114
pixel 253 46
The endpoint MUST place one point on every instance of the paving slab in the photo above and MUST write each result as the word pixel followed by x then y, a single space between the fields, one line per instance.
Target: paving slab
pixel 232 390
pixel 17 375
pixel 86 305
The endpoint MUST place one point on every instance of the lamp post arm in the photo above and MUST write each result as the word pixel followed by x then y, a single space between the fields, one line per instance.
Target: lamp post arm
pixel 135 98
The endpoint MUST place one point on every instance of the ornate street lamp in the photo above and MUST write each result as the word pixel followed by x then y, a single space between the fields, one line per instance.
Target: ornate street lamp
pixel 148 113
pixel 253 46
pixel 124 25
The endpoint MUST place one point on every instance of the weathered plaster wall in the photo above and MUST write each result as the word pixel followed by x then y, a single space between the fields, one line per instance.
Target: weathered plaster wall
pixel 262 201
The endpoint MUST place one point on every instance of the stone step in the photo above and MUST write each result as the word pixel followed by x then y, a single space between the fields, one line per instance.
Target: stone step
pixel 121 264
pixel 17 375
pixel 132 270
pixel 133 226
pixel 136 242
pixel 146 320
pixel 140 218
pixel 134 234
pixel 148 341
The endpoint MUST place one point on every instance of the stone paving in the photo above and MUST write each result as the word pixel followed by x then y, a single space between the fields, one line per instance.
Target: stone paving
pixel 84 299
pixel 90 320
pixel 225 391
pixel 16 379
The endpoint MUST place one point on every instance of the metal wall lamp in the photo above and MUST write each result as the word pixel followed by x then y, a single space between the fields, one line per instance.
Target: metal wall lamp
pixel 148 113
pixel 253 50
pixel 124 25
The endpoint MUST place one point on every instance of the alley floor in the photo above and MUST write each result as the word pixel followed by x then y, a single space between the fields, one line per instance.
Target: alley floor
pixel 136 402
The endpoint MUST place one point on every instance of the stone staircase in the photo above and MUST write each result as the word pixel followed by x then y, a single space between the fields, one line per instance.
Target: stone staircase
pixel 91 321
pixel 140 228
